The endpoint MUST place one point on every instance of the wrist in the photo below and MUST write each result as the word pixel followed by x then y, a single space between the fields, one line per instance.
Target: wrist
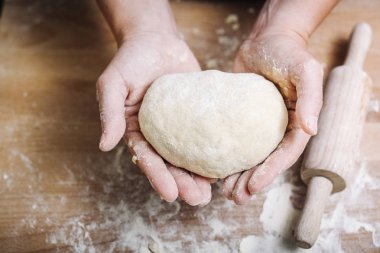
pixel 129 17
pixel 296 19
pixel 279 31
pixel 145 29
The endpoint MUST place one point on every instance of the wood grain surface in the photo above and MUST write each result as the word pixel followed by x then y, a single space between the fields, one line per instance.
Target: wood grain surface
pixel 59 193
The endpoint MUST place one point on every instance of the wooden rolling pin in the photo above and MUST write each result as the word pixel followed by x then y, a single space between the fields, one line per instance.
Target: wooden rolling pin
pixel 329 159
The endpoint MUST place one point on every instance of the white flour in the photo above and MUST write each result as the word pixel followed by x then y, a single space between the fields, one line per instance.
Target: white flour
pixel 279 218
pixel 145 223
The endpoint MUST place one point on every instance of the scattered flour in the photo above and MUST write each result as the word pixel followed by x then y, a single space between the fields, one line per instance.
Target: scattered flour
pixel 195 31
pixel 279 218
pixel 212 63
pixel 147 224
pixel 276 244
pixel 235 27
pixel 26 161
pixel 220 31
pixel 229 39
pixel 230 43
pixel 278 215
pixel 231 19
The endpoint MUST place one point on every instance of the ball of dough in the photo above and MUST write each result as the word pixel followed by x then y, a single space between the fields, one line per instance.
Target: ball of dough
pixel 213 123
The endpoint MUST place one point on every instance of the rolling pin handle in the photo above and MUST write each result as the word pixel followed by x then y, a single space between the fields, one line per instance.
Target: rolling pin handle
pixel 307 230
pixel 359 44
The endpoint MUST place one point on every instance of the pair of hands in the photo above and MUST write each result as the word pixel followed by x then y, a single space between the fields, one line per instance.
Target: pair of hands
pixel 143 57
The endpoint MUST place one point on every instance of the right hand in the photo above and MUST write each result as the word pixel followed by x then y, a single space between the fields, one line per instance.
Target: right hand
pixel 140 59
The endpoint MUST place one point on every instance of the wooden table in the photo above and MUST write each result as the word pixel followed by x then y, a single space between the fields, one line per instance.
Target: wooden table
pixel 58 193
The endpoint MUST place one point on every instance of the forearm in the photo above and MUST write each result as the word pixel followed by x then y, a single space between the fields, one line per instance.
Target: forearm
pixel 127 17
pixel 300 17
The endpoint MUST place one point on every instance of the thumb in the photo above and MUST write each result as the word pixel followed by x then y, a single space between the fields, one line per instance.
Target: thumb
pixel 309 86
pixel 111 93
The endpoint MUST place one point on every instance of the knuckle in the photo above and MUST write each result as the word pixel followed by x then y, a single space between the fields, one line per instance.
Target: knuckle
pixel 101 82
pixel 312 66
pixel 308 67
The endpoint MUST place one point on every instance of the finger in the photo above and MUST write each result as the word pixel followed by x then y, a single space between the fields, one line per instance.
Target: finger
pixel 132 110
pixel 281 159
pixel 136 95
pixel 241 194
pixel 188 189
pixel 309 84
pixel 132 124
pixel 152 166
pixel 112 93
pixel 205 188
pixel 229 185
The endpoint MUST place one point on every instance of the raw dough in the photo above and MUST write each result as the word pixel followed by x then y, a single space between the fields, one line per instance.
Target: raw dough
pixel 213 123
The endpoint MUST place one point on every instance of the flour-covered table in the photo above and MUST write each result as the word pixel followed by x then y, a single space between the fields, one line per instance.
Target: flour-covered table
pixel 58 193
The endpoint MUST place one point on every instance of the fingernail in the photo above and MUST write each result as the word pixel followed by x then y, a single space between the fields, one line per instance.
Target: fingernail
pixel 171 201
pixel 205 201
pixel 101 143
pixel 312 125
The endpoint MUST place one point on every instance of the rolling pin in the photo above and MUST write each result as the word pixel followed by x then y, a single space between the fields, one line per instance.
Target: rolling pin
pixel 329 159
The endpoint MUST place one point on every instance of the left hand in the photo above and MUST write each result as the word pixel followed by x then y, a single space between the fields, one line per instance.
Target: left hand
pixel 283 59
